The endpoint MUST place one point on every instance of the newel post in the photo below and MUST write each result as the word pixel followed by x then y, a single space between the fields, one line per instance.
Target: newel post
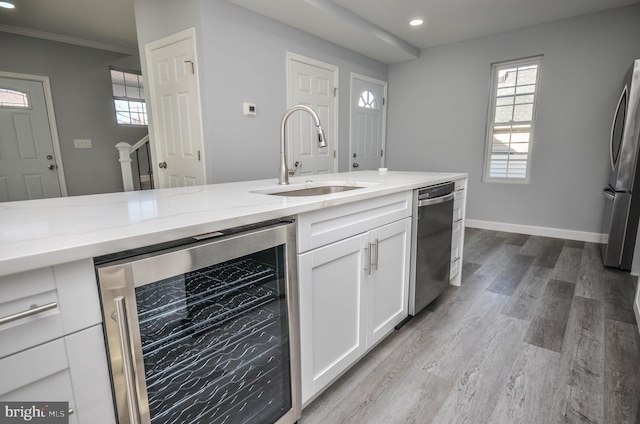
pixel 125 165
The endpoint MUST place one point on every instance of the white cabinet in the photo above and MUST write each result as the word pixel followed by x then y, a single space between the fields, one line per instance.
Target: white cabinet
pixel 332 311
pixel 457 236
pixel 387 286
pixel 354 291
pixel 57 354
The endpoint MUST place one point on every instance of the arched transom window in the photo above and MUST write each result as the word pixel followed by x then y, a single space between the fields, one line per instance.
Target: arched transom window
pixel 368 100
pixel 12 98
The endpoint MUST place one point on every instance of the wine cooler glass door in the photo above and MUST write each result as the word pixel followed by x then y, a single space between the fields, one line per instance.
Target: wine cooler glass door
pixel 210 343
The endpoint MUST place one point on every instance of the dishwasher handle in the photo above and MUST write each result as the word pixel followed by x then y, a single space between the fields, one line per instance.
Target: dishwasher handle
pixel 436 200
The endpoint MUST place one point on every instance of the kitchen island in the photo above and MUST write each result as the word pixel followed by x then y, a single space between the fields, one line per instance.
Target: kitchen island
pixel 46 259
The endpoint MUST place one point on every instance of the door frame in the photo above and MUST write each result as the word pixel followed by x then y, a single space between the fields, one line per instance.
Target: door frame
pixel 150 96
pixel 318 64
pixel 383 142
pixel 51 116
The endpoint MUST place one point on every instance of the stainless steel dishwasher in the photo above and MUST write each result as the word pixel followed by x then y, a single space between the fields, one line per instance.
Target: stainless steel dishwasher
pixel 431 247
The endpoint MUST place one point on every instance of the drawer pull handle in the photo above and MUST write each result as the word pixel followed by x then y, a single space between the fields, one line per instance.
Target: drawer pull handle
pixel 34 310
pixel 374 263
pixel 460 189
pixel 367 258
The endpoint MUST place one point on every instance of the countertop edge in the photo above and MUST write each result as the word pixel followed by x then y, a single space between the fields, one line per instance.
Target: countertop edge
pixel 32 256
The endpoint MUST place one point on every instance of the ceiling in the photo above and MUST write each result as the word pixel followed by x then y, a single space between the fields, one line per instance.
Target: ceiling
pixel 375 28
pixel 105 24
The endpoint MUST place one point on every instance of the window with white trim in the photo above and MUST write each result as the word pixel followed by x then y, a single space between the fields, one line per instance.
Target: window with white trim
pixel 128 97
pixel 511 119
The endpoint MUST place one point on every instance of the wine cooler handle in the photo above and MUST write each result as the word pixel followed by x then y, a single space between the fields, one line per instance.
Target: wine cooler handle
pixel 127 358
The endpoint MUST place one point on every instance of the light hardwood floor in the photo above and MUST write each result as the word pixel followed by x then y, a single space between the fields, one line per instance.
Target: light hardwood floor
pixel 539 332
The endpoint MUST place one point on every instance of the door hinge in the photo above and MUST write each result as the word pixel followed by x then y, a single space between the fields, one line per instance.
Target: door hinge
pixel 335 91
pixel 334 154
pixel 384 101
pixel 381 152
pixel 199 158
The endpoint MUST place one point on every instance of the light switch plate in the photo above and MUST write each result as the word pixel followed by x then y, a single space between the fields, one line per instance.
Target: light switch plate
pixel 82 143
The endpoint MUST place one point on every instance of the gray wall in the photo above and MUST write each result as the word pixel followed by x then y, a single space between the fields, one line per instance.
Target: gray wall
pixel 242 58
pixel 438 110
pixel 83 104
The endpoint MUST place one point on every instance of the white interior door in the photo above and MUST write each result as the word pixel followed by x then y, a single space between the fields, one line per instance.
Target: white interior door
pixel 368 122
pixel 30 165
pixel 314 84
pixel 175 110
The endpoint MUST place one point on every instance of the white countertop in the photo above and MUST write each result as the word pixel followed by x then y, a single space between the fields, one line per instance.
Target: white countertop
pixel 39 233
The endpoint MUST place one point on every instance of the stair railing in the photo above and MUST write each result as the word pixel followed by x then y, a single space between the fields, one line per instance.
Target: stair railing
pixel 125 151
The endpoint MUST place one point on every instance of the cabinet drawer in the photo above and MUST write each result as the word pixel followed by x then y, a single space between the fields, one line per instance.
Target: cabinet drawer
pixel 328 225
pixel 70 293
pixel 55 372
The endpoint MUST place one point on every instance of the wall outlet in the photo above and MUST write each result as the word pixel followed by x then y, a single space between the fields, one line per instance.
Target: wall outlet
pixel 83 143
pixel 249 109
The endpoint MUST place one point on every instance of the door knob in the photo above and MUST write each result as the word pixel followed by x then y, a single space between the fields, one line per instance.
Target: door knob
pixel 356 164
pixel 163 165
pixel 51 167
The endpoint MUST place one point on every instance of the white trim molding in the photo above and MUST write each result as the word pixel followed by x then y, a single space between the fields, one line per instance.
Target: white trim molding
pixel 27 32
pixel 536 231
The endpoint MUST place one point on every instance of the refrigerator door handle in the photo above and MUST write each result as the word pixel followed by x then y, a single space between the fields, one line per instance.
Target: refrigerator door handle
pixel 608 194
pixel 623 96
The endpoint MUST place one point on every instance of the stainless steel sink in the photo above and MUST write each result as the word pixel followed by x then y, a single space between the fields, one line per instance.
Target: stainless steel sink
pixel 315 191
pixel 314 188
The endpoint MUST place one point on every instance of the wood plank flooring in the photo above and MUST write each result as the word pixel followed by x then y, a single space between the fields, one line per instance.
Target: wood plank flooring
pixel 539 332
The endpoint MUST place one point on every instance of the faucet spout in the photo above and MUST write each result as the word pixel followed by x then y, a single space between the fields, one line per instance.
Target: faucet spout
pixel 283 173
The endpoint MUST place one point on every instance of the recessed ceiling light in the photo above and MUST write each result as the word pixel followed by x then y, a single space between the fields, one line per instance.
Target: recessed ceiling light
pixel 7 5
pixel 416 22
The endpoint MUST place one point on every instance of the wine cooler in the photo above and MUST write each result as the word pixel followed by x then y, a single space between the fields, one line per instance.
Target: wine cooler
pixel 205 331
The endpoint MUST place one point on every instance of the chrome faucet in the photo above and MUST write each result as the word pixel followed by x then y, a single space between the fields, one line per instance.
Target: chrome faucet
pixel 283 175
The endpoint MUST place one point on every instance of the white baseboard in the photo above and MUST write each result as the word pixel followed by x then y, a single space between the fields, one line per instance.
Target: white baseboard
pixel 536 231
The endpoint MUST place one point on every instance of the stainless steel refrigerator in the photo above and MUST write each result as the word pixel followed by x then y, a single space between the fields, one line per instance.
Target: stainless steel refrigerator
pixel 622 208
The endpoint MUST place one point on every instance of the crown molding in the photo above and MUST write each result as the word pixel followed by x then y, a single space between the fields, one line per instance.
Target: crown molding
pixel 68 40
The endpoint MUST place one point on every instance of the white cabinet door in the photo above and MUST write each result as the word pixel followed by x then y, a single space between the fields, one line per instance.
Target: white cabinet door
pixel 344 308
pixel 332 313
pixel 388 284
pixel 70 369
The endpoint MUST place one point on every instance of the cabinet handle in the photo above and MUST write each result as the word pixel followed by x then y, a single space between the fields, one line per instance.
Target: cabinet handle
pixel 35 309
pixel 374 262
pixel 127 359
pixel 367 258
